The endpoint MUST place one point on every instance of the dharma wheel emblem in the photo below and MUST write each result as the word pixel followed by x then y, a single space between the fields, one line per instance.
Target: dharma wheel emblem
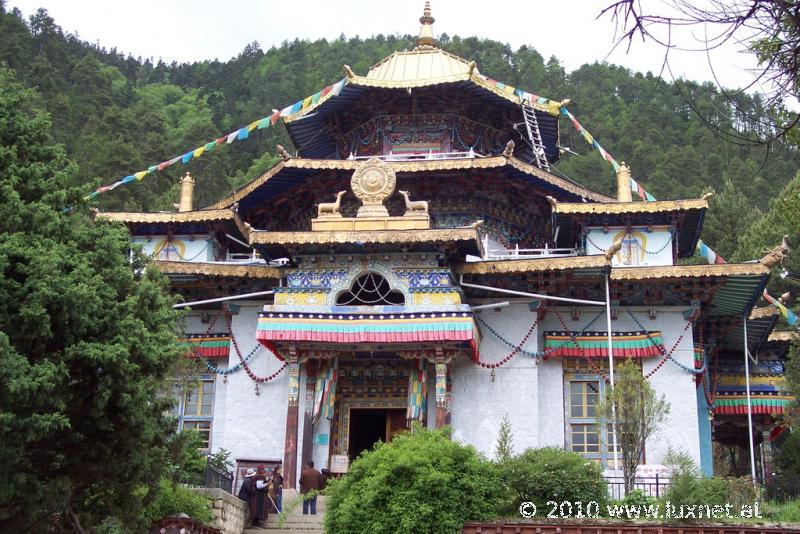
pixel 373 182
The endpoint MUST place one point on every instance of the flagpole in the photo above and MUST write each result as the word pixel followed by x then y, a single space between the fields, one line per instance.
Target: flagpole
pixel 749 403
pixel 611 370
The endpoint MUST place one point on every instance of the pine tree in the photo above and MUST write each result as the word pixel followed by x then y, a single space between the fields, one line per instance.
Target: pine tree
pixel 505 445
pixel 85 344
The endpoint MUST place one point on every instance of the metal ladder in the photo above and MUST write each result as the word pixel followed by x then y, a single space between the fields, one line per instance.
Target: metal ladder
pixel 534 136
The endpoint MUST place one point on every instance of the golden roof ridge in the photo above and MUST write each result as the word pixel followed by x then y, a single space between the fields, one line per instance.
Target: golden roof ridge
pixel 531 265
pixel 630 207
pixel 217 269
pixel 685 271
pixel 200 215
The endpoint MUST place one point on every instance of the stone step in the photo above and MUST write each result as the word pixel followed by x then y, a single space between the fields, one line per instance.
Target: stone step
pixel 296 520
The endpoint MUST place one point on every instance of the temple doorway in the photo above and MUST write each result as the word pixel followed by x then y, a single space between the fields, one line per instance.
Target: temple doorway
pixel 370 425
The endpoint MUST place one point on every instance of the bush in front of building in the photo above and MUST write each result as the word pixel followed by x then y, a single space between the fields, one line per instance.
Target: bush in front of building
pixel 551 474
pixel 421 481
pixel 174 499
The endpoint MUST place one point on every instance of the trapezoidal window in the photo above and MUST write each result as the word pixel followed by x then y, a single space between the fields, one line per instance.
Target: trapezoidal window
pixel 370 289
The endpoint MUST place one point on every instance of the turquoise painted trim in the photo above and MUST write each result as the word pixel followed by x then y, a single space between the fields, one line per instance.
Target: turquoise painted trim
pixel 704 427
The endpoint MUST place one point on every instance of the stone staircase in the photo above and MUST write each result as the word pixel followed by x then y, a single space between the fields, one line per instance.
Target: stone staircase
pixel 296 522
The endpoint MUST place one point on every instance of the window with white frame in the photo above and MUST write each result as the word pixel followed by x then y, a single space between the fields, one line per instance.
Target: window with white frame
pixel 585 432
pixel 195 407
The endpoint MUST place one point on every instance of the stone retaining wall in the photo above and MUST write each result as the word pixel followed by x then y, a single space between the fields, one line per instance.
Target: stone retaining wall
pixel 230 513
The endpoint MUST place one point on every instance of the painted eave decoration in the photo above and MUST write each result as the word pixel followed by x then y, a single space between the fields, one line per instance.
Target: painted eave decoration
pixel 343 327
pixel 207 345
pixel 595 345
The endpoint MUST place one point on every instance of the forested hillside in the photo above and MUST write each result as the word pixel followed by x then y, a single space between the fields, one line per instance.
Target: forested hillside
pixel 117 114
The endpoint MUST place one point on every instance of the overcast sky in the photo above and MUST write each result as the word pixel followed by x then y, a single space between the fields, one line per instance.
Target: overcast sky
pixel 204 29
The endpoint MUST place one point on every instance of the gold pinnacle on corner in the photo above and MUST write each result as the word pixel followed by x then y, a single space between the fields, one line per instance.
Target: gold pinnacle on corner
pixel 624 193
pixel 426 38
pixel 187 191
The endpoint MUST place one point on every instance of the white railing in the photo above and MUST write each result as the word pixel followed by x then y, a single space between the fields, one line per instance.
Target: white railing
pixel 417 156
pixel 242 257
pixel 245 257
pixel 517 253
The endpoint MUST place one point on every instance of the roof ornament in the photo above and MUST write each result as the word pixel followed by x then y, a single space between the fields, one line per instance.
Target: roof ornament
pixel 426 39
pixel 615 247
pixel 284 155
pixel 187 192
pixel 624 193
pixel 508 151
pixel 777 254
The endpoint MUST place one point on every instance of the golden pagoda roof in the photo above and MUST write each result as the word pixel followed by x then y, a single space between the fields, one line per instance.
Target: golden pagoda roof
pixel 433 66
pixel 413 68
pixel 659 206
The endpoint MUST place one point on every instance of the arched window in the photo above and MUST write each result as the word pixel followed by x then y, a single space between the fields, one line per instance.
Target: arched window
pixel 370 289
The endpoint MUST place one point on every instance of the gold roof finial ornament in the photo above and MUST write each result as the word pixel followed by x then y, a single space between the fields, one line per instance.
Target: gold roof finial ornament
pixel 624 193
pixel 187 192
pixel 426 38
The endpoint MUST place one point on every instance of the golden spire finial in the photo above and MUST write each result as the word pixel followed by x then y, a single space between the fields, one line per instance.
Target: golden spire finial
pixel 426 38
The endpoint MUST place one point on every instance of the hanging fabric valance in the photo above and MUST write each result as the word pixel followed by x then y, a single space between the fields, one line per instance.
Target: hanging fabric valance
pixel 595 344
pixel 367 328
pixel 737 405
pixel 207 345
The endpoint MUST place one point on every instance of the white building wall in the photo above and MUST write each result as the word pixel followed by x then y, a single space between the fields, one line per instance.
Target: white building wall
pixel 680 431
pixel 251 426
pixel 551 403
pixel 479 403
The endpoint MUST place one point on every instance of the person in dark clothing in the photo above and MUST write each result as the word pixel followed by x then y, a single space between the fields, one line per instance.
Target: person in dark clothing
pixel 326 476
pixel 247 493
pixel 260 486
pixel 310 480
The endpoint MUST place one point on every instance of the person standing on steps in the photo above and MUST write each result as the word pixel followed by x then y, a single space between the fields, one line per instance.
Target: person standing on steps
pixel 310 480
pixel 248 494
pixel 260 486
pixel 276 489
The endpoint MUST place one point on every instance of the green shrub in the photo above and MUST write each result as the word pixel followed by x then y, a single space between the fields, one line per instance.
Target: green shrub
pixel 419 482
pixel 687 487
pixel 637 497
pixel 783 513
pixel 173 499
pixel 552 474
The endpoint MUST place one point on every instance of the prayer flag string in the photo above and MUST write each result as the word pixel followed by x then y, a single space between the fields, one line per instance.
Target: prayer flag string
pixel 237 135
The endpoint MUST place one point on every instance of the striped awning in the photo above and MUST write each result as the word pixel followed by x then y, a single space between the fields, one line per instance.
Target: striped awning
pixel 348 328
pixel 207 345
pixel 766 405
pixel 595 344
